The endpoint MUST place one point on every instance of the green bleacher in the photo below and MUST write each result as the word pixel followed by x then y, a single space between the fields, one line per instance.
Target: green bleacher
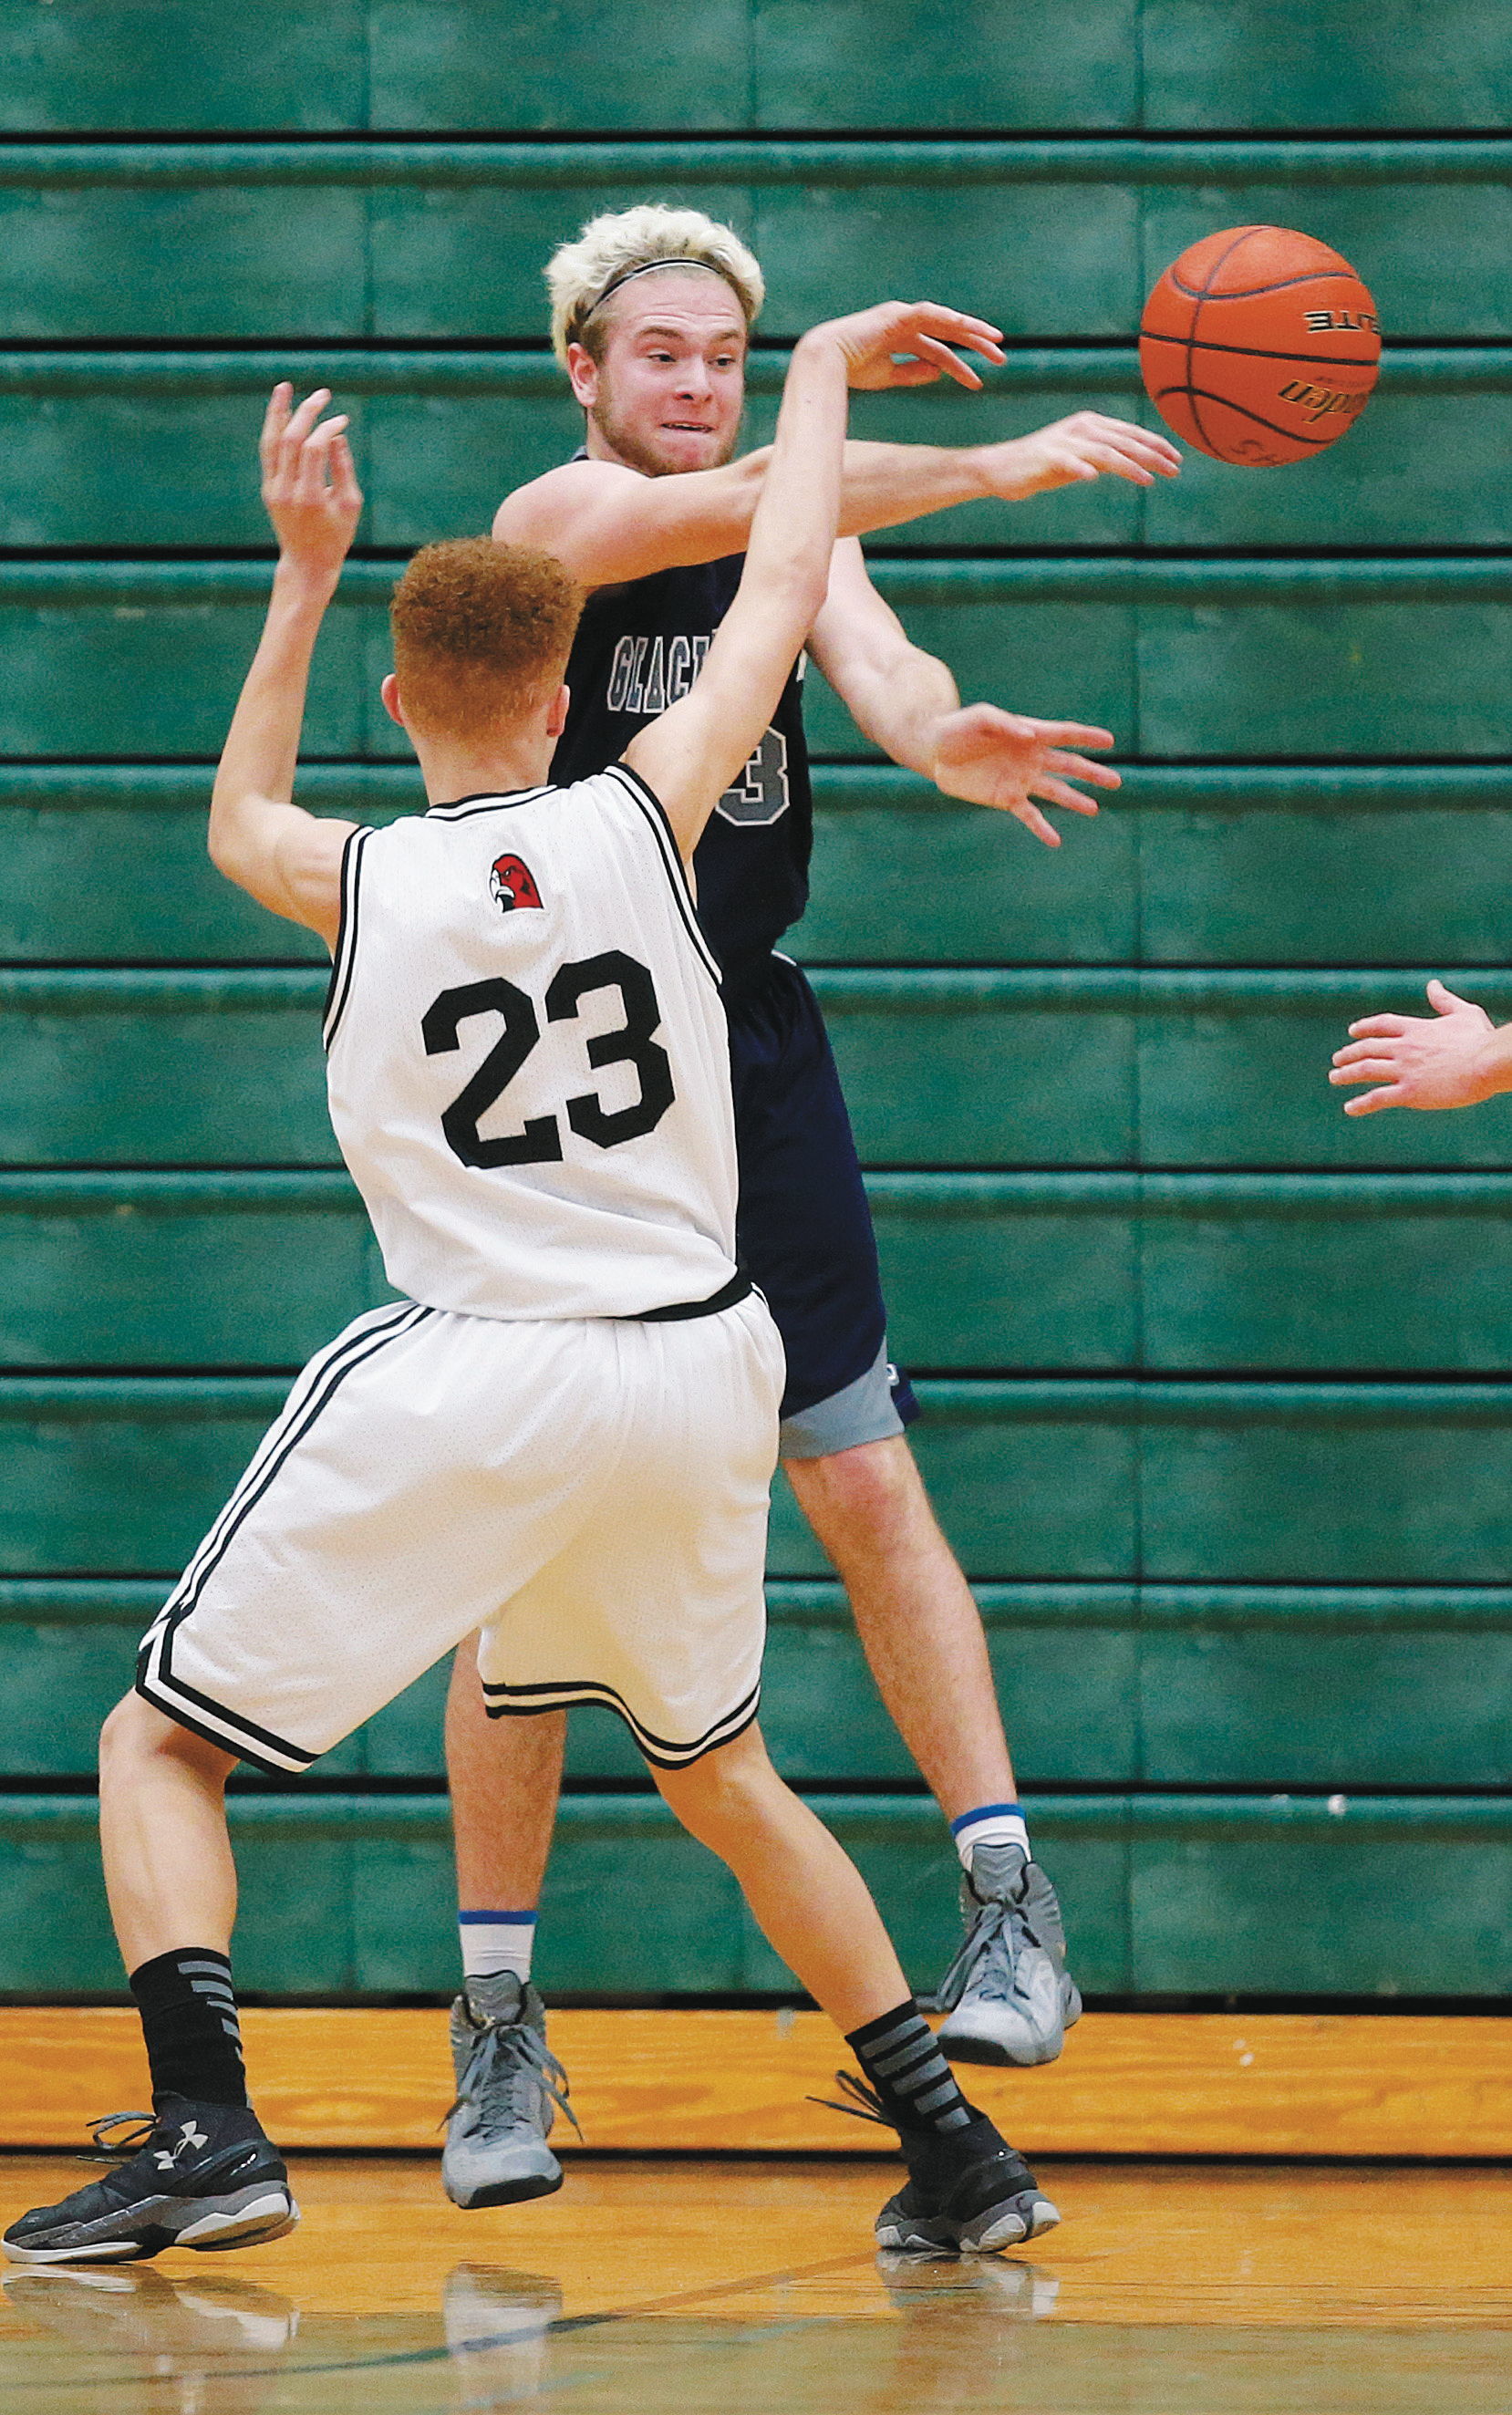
pixel 1214 1381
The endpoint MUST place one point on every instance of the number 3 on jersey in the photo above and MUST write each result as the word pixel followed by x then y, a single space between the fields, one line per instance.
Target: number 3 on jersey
pixel 760 794
pixel 538 1142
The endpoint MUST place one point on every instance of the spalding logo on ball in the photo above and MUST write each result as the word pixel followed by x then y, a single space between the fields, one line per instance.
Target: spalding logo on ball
pixel 1260 346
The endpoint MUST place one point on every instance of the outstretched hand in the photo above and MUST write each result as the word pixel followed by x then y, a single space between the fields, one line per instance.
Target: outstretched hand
pixel 921 332
pixel 991 757
pixel 1072 450
pixel 1419 1061
pixel 309 482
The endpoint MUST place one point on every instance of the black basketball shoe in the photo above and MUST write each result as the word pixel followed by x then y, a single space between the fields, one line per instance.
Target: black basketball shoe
pixel 969 2191
pixel 200 2176
pixel 965 2209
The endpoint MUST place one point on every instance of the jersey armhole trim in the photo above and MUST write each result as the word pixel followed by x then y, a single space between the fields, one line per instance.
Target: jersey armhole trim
pixel 343 961
pixel 677 871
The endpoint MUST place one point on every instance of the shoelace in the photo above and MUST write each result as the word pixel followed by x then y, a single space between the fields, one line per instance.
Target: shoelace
pixel 868 2105
pixel 515 2046
pixel 987 1927
pixel 108 2151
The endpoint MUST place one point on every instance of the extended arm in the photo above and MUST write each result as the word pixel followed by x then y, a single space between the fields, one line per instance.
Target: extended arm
pixel 606 524
pixel 907 702
pixel 1456 1060
pixel 290 861
pixel 692 752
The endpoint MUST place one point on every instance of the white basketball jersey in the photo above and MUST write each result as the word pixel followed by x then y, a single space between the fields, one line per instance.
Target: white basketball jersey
pixel 529 1068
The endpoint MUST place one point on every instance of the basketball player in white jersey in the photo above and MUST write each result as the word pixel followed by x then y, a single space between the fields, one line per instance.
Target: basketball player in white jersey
pixel 564 1436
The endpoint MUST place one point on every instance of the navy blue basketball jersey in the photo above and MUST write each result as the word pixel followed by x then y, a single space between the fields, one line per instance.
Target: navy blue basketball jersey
pixel 638 648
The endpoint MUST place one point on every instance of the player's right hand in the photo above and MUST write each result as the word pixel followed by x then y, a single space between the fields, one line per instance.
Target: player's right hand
pixel 1448 1059
pixel 309 482
pixel 920 332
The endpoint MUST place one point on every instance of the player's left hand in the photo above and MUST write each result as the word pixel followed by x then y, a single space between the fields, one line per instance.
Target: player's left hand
pixel 1419 1061
pixel 310 483
pixel 908 343
pixel 991 757
pixel 1073 451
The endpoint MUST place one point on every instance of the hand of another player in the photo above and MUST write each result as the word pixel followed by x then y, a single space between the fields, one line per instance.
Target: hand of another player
pixel 991 757
pixel 1420 1062
pixel 310 483
pixel 921 332
pixel 1072 451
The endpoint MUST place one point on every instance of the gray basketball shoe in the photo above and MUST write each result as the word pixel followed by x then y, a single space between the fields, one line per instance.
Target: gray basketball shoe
pixel 508 2088
pixel 1007 1994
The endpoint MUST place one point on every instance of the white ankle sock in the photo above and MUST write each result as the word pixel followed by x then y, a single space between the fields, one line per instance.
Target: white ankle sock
pixel 991 1824
pixel 494 1941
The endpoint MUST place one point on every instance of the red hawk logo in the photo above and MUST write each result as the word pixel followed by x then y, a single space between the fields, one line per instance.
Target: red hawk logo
pixel 512 883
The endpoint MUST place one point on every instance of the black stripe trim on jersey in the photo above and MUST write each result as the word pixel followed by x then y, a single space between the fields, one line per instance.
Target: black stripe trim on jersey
pixel 381 1322
pixel 311 1395
pixel 655 812
pixel 155 1672
pixel 677 871
pixel 155 1679
pixel 462 809
pixel 524 1701
pixel 227 1737
pixel 343 959
pixel 683 1311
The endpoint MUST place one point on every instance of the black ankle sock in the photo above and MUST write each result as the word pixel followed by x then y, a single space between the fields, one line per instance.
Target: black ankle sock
pixel 189 2020
pixel 917 2086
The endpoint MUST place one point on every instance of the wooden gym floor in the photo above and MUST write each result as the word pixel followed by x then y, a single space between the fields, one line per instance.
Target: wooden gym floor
pixel 707 2285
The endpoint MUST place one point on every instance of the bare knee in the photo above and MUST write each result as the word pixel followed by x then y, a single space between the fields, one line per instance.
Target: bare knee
pixel 872 1492
pixel 718 1795
pixel 135 1735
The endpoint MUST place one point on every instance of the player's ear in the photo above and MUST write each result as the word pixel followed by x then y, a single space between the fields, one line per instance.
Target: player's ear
pixel 389 693
pixel 583 370
pixel 556 720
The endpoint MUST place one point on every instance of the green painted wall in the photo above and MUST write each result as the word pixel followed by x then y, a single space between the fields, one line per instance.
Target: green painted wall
pixel 1214 1382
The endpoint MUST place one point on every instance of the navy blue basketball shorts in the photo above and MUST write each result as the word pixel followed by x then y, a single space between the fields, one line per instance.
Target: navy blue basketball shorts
pixel 804 1226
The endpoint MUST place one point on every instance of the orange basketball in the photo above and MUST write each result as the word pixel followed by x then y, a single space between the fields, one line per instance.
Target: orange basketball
pixel 1259 346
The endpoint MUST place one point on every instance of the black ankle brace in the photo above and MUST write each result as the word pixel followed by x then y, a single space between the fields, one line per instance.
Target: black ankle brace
pixel 915 2085
pixel 188 2021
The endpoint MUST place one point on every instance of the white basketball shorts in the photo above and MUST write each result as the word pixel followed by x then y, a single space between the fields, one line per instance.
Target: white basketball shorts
pixel 591 1495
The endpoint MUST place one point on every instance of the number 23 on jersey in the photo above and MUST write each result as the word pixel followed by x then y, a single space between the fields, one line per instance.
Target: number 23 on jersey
pixel 633 1041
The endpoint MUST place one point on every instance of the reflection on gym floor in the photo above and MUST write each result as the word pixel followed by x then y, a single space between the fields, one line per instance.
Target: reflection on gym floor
pixel 1171 2290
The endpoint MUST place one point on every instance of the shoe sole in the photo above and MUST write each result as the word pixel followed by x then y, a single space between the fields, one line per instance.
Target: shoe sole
pixel 1007 2224
pixel 968 2045
pixel 270 2215
pixel 274 2218
pixel 992 2051
pixel 517 2192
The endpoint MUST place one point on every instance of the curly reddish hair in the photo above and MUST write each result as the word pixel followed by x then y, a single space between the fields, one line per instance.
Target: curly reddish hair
pixel 481 632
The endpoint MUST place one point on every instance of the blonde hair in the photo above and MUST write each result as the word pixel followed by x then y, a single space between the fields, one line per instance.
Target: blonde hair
pixel 480 630
pixel 620 242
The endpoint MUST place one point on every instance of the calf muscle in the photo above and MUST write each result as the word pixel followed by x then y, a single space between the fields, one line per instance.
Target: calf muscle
pixel 505 1776
pixel 169 1871
pixel 806 1896
pixel 918 1621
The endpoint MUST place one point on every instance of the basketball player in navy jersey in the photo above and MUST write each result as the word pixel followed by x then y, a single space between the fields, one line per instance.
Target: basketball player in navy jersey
pixel 650 313
pixel 562 1437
